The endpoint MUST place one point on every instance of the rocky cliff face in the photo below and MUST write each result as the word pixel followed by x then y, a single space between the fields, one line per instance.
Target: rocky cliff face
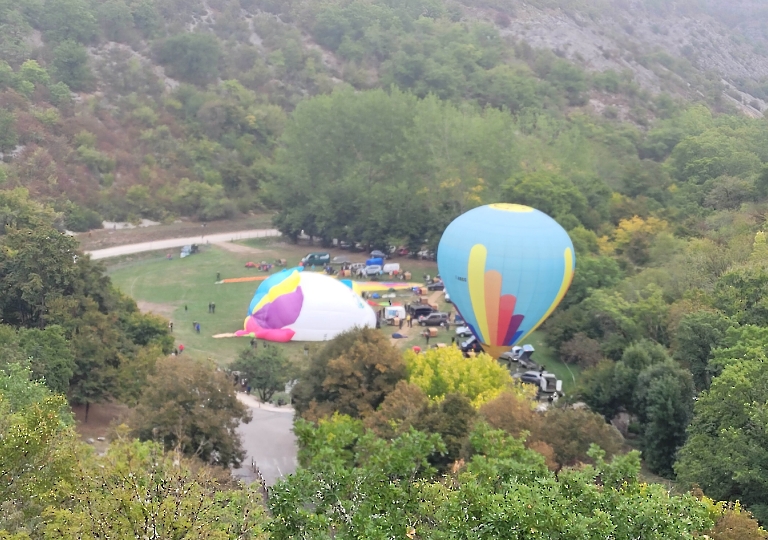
pixel 686 49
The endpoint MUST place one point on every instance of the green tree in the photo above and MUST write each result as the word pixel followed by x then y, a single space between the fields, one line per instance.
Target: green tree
pixel 191 57
pixel 70 62
pixel 664 407
pixel 37 449
pixel 351 375
pixel 698 334
pixel 136 489
pixel 116 19
pixel 725 453
pixel 68 20
pixel 361 486
pixel 50 356
pixel 265 368
pixel 551 193
pixel 192 408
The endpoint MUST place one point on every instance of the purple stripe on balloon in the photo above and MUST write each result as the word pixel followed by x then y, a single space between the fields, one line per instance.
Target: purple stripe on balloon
pixel 282 311
pixel 512 335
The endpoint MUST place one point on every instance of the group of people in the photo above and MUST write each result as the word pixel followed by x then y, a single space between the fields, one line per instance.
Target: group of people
pixel 211 307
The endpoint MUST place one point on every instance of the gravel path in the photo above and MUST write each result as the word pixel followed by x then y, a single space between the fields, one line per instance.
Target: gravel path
pixel 220 238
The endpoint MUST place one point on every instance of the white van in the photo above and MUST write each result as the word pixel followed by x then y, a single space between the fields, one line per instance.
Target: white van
pixel 391 268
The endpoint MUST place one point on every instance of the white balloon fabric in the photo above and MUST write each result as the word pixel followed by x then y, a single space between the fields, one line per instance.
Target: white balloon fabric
pixel 296 305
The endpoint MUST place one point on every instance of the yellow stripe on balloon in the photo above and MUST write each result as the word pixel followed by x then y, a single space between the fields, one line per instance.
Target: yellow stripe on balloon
pixel 476 282
pixel 509 207
pixel 567 278
pixel 492 300
pixel 288 285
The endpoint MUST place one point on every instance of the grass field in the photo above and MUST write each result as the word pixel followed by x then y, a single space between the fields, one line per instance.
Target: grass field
pixel 180 290
pixel 167 287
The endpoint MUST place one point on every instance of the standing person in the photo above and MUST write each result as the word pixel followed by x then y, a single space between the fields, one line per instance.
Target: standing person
pixel 170 326
pixel 453 340
pixel 197 328
pixel 209 307
pixel 213 307
pixel 409 317
pixel 426 336
pixel 181 348
pixel 194 325
pixel 218 276
pixel 185 307
pixel 400 323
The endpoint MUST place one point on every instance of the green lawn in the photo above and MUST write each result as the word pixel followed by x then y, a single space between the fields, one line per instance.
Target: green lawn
pixel 166 287
pixel 170 286
pixel 546 357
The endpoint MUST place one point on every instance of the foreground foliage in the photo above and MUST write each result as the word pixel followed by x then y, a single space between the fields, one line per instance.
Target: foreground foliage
pixel 357 485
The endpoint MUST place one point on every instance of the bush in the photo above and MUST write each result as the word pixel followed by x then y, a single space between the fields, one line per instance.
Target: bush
pixel 79 219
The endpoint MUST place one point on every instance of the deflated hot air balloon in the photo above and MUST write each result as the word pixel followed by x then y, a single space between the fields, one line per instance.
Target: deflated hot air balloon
pixel 304 306
pixel 506 267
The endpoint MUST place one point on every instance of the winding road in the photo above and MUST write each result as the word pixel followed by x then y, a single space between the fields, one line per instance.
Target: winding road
pixel 219 238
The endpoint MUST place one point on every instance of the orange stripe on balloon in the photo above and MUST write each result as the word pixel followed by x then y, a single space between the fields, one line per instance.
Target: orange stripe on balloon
pixel 475 283
pixel 492 299
pixel 567 278
pixel 506 310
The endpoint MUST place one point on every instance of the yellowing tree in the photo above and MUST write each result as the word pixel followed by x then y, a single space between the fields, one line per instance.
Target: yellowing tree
pixel 443 371
pixel 633 237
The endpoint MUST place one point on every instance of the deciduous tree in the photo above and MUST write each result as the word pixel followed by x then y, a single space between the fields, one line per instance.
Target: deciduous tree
pixel 192 408
pixel 351 375
pixel 265 368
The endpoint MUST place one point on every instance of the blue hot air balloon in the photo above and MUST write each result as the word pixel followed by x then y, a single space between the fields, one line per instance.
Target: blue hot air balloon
pixel 506 267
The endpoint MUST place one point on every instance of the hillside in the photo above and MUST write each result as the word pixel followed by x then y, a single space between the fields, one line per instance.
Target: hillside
pixel 141 109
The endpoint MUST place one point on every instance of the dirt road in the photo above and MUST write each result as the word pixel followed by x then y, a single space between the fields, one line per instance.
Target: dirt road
pixel 178 242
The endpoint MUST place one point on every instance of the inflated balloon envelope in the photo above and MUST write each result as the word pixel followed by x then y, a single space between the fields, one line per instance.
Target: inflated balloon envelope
pixel 293 305
pixel 506 267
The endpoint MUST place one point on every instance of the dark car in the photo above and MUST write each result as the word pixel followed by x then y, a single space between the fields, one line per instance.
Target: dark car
pixel 471 345
pixel 377 254
pixel 531 377
pixel 419 310
pixel 436 286
pixel 434 319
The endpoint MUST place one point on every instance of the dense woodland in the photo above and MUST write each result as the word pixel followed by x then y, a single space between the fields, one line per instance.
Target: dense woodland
pixel 379 122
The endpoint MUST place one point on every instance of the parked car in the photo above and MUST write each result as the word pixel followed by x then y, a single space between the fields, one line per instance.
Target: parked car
pixel 419 310
pixel 426 255
pixel 340 259
pixel 463 331
pixel 436 286
pixel 377 254
pixel 458 319
pixel 344 245
pixel 402 252
pixel 549 385
pixel 471 345
pixel 370 271
pixel 317 258
pixel 434 319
